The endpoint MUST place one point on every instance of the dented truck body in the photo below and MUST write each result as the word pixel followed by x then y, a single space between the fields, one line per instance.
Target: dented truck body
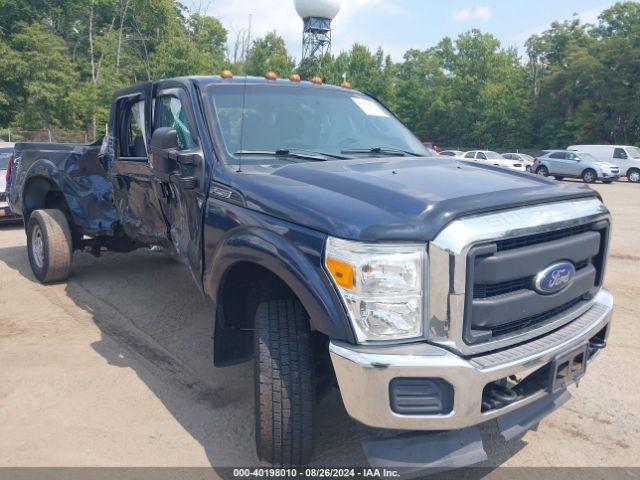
pixel 436 294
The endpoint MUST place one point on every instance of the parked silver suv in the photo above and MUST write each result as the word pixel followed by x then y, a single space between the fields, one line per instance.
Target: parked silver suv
pixel 564 163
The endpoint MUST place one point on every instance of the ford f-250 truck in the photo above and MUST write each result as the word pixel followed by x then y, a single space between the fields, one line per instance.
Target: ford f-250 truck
pixel 436 294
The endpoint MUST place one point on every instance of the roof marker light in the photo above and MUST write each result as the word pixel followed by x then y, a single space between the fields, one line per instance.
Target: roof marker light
pixel 317 80
pixel 226 74
pixel 271 76
pixel 295 78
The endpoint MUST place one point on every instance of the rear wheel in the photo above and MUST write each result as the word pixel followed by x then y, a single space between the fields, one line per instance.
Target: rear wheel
pixel 283 383
pixel 49 245
pixel 633 176
pixel 544 171
pixel 589 176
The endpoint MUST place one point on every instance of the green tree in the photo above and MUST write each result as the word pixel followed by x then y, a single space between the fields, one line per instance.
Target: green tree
pixel 269 54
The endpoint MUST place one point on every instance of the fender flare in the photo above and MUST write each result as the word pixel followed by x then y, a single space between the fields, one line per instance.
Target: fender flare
pixel 286 261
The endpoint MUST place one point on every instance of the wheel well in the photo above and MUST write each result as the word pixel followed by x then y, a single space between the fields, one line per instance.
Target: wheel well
pixel 41 193
pixel 245 285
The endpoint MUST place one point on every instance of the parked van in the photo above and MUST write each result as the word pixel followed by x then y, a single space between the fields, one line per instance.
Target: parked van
pixel 624 156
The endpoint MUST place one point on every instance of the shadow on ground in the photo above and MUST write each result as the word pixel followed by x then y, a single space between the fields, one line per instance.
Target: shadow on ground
pixel 154 320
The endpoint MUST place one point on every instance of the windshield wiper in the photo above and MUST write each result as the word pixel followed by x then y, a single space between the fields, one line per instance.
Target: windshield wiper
pixel 383 151
pixel 292 153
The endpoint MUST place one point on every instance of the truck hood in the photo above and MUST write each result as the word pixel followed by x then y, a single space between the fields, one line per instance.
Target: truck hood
pixel 393 199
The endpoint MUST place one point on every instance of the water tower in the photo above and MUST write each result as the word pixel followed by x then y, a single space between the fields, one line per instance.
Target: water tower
pixel 317 16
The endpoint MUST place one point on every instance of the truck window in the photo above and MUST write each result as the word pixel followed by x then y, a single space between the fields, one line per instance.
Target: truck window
pixel 132 141
pixel 171 112
pixel 620 154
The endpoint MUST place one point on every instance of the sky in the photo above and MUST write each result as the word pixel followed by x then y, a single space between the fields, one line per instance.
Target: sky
pixel 398 25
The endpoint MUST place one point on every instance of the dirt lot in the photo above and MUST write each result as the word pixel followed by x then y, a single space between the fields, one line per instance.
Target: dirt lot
pixel 114 368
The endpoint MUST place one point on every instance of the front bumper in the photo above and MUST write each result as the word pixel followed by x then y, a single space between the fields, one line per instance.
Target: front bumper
pixel 365 373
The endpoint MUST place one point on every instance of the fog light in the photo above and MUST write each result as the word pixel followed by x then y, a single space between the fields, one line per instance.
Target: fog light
pixel 421 396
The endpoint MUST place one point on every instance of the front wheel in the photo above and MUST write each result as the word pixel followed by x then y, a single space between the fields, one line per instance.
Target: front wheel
pixel 589 176
pixel 49 245
pixel 634 176
pixel 284 383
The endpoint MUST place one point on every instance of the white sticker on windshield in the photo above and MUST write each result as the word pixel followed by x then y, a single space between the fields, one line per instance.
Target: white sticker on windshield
pixel 369 107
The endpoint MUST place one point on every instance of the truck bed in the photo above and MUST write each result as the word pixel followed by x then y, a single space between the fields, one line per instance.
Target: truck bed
pixel 77 172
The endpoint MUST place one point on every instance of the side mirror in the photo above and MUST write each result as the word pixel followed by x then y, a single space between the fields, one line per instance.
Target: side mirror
pixel 163 150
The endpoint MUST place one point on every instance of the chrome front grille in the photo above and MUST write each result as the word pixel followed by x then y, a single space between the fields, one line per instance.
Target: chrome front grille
pixel 501 297
pixel 482 269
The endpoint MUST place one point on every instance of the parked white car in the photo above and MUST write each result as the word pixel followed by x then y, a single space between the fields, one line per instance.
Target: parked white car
pixel 626 157
pixel 6 155
pixel 452 153
pixel 493 158
pixel 526 160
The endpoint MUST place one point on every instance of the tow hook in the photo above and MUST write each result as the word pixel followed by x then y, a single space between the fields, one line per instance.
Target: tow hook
pixel 596 344
pixel 498 396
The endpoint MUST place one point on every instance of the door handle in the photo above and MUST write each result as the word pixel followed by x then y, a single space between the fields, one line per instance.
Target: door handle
pixel 187 183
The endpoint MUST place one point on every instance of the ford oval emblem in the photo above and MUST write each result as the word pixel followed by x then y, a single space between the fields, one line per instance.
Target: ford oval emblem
pixel 555 278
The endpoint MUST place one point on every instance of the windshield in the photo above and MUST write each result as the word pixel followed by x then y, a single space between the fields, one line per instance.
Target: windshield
pixel 5 153
pixel 633 152
pixel 309 120
pixel 493 156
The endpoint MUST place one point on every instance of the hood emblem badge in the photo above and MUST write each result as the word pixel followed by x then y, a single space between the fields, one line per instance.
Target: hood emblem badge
pixel 555 278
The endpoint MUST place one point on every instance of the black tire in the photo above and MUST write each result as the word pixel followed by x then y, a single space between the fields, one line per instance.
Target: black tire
pixel 558 177
pixel 633 175
pixel 589 176
pixel 49 245
pixel 544 171
pixel 283 383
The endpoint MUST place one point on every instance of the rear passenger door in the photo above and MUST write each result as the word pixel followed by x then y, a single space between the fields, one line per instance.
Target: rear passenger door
pixel 558 163
pixel 135 188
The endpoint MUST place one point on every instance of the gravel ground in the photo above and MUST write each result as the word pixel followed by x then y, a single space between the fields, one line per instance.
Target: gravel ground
pixel 114 368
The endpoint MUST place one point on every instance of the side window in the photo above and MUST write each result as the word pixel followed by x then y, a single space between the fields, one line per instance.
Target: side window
pixel 572 156
pixel 482 156
pixel 470 155
pixel 132 141
pixel 508 156
pixel 171 112
pixel 558 155
pixel 620 154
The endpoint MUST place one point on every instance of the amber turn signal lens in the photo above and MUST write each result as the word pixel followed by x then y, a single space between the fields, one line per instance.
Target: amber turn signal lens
pixel 295 77
pixel 346 85
pixel 226 74
pixel 342 273
pixel 271 76
pixel 317 80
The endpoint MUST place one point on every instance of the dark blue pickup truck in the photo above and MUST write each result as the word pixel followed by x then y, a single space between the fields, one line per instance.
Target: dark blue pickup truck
pixel 338 251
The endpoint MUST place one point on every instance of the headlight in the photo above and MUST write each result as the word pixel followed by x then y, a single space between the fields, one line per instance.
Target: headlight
pixel 382 287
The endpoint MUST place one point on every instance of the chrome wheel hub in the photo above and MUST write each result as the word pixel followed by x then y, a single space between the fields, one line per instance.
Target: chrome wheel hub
pixel 634 177
pixel 37 246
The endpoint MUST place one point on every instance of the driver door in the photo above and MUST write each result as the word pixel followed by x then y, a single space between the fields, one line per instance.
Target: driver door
pixel 183 198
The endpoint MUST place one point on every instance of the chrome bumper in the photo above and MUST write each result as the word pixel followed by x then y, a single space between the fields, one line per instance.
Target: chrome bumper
pixel 364 373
